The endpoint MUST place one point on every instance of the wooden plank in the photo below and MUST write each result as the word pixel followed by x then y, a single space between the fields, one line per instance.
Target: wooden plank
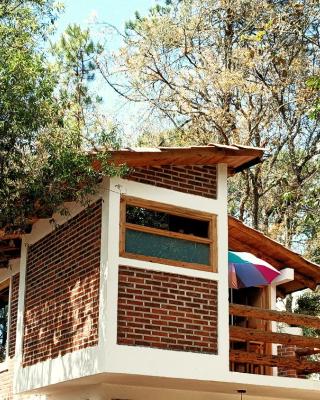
pixel 289 287
pixel 168 261
pixel 307 372
pixel 273 315
pixel 213 229
pixel 168 208
pixel 281 255
pixel 4 248
pixel 237 245
pixel 274 361
pixel 248 334
pixel 122 238
pixel 307 352
pixel 171 234
pixel 7 236
pixel 203 155
pixel 4 284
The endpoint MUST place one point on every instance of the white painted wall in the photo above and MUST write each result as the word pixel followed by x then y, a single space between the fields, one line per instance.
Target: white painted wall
pixel 110 358
pixel 74 365
pixel 158 362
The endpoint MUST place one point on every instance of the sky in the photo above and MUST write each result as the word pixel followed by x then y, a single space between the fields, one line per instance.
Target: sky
pixel 116 13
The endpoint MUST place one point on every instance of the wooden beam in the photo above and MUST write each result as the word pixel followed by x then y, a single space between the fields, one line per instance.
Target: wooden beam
pixel 304 280
pixel 248 334
pixel 272 315
pixel 8 248
pixel 307 352
pixel 238 245
pixel 282 256
pixel 4 284
pixel 7 236
pixel 302 372
pixel 274 361
pixel 201 155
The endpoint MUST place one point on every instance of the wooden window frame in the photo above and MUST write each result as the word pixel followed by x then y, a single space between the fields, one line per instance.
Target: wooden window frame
pixel 173 210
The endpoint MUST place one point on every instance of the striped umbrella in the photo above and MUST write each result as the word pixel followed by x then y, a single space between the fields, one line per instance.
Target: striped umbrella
pixel 247 270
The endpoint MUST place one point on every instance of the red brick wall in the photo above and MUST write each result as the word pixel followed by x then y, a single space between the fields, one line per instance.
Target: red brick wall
pixel 167 311
pixel 287 351
pixel 200 180
pixel 13 314
pixel 62 289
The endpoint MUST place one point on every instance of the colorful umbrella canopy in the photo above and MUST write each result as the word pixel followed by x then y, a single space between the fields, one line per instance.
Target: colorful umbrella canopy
pixel 246 270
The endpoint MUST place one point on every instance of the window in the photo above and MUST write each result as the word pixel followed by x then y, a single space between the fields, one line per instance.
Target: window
pixel 4 312
pixel 167 234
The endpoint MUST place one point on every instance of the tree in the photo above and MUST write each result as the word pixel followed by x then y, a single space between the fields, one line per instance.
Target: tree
pixel 234 71
pixel 309 303
pixel 25 92
pixel 75 58
pixel 45 126
pixel 314 84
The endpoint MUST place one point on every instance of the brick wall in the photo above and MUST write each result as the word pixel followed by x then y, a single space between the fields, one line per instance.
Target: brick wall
pixel 62 289
pixel 13 314
pixel 200 180
pixel 6 378
pixel 167 311
pixel 287 351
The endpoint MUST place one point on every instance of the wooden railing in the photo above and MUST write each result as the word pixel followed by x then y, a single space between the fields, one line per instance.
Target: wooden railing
pixel 305 346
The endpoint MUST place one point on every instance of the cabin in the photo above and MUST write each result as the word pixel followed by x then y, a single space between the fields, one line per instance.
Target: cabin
pixel 129 298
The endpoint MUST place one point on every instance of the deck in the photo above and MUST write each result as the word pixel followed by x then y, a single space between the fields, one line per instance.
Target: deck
pixel 251 349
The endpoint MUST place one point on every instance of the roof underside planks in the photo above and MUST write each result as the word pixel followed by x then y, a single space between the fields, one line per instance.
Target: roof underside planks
pixel 244 238
pixel 10 247
pixel 236 157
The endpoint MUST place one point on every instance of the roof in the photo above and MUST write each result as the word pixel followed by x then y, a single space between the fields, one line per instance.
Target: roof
pixel 241 237
pixel 244 238
pixel 237 157
pixel 10 247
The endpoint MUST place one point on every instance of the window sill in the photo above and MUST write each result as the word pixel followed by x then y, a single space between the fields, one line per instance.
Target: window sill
pixel 134 262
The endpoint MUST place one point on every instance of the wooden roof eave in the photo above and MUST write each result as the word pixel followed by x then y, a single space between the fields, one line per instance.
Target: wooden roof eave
pixel 244 238
pixel 10 247
pixel 237 158
pixel 304 281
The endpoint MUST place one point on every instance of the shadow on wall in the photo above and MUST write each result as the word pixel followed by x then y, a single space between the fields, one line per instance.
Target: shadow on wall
pixel 62 289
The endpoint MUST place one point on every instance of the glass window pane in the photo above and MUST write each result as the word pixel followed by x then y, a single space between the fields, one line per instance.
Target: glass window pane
pixel 148 244
pixel 169 222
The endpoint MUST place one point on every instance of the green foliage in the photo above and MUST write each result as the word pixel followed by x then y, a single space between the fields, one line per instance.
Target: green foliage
pixel 75 63
pixel 26 88
pixel 309 303
pixel 49 117
pixel 314 84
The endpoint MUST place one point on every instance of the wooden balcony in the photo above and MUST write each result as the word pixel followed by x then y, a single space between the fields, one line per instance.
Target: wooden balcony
pixel 251 348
